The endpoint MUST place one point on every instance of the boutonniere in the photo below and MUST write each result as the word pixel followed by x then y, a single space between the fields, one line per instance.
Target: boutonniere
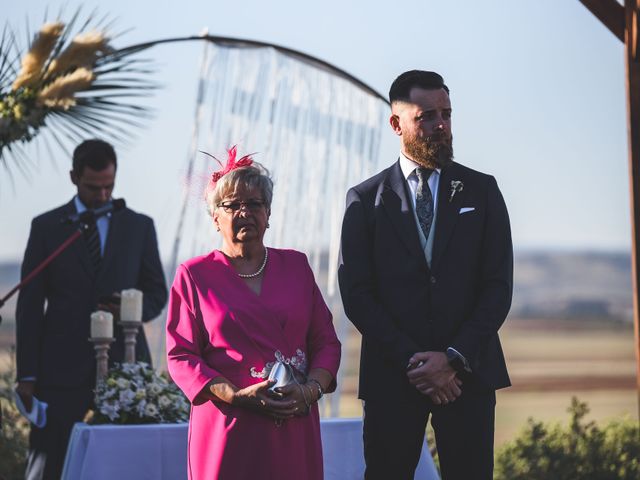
pixel 456 186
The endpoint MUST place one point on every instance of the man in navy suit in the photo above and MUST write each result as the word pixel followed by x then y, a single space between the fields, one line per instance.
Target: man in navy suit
pixel 426 276
pixel 55 360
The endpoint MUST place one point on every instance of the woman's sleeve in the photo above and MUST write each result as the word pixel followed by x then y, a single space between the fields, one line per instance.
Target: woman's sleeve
pixel 322 341
pixel 186 337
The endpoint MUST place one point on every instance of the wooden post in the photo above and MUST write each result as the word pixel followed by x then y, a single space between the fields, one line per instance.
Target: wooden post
pixel 610 13
pixel 624 23
pixel 632 54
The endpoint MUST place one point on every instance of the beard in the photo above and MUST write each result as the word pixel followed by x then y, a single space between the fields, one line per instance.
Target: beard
pixel 435 151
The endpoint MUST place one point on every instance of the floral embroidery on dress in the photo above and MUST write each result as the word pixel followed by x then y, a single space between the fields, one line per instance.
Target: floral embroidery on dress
pixel 298 361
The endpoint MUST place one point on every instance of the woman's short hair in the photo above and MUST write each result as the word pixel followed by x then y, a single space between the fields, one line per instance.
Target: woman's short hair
pixel 249 177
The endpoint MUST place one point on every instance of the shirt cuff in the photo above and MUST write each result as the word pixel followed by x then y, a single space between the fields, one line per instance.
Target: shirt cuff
pixel 453 353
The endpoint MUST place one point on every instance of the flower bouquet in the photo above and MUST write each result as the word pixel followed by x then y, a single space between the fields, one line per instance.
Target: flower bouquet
pixel 134 393
pixel 78 85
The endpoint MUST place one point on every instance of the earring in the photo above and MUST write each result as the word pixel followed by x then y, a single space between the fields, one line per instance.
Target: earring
pixel 267 224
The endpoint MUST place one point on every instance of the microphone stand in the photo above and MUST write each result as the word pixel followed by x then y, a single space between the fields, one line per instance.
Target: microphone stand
pixel 74 236
pixel 84 220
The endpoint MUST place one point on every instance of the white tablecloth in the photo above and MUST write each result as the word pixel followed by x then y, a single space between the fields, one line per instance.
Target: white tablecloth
pixel 159 452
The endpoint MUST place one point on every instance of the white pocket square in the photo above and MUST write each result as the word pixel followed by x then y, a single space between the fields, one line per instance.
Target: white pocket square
pixel 466 209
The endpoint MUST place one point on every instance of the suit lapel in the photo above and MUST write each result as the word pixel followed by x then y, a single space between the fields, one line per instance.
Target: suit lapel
pixel 79 247
pixel 448 212
pixel 398 205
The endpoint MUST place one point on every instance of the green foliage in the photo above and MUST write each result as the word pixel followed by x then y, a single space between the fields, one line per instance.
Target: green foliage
pixel 579 451
pixel 15 429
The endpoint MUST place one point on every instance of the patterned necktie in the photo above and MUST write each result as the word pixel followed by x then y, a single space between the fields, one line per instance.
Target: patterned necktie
pixel 424 200
pixel 92 239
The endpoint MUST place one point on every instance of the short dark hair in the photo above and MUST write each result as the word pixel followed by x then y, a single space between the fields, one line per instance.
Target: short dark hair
pixel 402 85
pixel 95 154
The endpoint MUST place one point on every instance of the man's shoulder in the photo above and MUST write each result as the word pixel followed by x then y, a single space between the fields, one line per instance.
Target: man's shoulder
pixel 468 171
pixel 55 215
pixel 469 174
pixel 373 183
pixel 135 216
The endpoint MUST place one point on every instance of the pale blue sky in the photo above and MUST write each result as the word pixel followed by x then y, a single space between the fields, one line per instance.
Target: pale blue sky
pixel 538 94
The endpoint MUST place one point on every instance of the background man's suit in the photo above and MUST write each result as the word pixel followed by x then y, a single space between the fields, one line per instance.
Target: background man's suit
pixel 401 305
pixel 52 342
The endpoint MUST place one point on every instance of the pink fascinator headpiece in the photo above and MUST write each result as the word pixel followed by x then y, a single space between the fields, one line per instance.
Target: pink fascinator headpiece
pixel 232 163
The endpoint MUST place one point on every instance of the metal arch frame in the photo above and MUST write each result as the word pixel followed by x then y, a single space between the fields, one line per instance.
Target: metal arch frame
pixel 246 43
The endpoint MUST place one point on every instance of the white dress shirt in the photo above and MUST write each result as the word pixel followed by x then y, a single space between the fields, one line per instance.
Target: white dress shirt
pixel 102 223
pixel 408 168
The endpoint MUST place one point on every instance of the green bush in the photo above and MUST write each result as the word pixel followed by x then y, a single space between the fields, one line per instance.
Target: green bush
pixel 579 451
pixel 14 432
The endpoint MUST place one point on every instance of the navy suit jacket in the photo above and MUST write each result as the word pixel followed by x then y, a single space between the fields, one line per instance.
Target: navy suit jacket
pixel 53 311
pixel 400 304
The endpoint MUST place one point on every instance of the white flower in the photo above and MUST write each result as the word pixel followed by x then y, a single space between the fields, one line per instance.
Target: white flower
pixel 154 388
pixel 110 393
pixel 151 410
pixel 122 383
pixel 133 368
pixel 110 410
pixel 140 408
pixel 141 393
pixel 126 397
pixel 164 401
pixel 135 393
pixel 456 186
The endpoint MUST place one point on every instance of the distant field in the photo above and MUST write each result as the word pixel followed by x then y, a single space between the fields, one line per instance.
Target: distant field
pixel 552 360
pixel 549 361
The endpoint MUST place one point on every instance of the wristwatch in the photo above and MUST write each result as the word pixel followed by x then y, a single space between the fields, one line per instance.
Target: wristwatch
pixel 320 391
pixel 457 361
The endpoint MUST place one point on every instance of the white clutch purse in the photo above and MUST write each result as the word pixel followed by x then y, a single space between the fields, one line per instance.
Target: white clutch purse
pixel 283 375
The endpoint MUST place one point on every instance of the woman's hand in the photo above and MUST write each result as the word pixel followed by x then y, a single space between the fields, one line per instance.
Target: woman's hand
pixel 257 398
pixel 300 394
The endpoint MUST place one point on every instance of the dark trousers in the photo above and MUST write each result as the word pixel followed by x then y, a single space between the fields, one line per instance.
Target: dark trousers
pixel 48 445
pixel 394 431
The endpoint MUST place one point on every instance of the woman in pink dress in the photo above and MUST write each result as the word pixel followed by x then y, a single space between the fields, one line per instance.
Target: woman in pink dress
pixel 232 314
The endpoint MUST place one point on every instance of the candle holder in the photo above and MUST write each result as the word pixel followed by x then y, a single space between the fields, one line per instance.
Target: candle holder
pixel 101 346
pixel 130 329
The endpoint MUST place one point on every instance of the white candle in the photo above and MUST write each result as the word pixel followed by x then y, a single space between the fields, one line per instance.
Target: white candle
pixel 101 324
pixel 131 305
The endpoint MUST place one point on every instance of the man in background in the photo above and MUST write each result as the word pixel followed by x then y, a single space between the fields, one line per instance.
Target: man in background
pixel 55 360
pixel 426 277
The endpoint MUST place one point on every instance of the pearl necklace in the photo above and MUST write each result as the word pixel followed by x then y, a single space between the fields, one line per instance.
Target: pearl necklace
pixel 260 270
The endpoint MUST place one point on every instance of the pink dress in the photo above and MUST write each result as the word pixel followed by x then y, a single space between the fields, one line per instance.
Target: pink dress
pixel 216 326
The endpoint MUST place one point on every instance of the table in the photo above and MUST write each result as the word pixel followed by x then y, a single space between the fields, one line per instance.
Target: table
pixel 159 452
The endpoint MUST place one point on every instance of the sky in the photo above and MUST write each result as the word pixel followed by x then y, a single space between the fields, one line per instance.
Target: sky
pixel 537 89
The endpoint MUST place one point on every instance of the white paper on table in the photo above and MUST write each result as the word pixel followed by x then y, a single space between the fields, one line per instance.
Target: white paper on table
pixel 38 413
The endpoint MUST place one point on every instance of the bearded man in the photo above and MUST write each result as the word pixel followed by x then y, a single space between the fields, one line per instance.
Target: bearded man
pixel 426 275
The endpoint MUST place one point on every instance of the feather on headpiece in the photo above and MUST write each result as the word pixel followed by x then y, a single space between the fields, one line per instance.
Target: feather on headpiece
pixel 232 163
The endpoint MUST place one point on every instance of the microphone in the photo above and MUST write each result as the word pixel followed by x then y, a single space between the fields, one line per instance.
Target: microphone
pixel 91 215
